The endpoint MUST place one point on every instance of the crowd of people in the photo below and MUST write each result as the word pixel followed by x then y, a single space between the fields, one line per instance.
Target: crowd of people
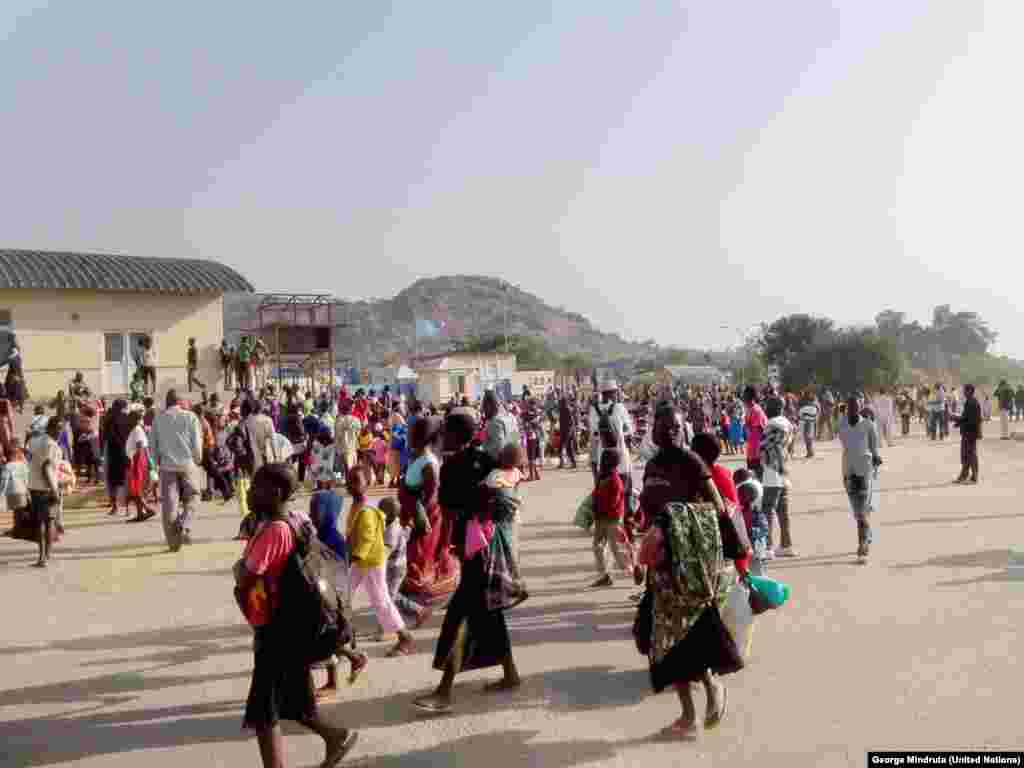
pixel 446 531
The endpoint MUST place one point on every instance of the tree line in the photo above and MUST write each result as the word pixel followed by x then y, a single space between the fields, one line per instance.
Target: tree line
pixel 811 351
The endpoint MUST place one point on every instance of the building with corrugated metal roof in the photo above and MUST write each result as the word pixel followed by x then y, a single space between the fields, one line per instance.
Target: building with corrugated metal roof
pixel 703 375
pixel 88 312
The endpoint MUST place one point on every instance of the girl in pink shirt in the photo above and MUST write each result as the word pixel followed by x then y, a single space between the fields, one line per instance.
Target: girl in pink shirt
pixel 756 423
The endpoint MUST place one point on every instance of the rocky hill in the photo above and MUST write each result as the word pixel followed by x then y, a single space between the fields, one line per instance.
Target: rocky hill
pixel 434 313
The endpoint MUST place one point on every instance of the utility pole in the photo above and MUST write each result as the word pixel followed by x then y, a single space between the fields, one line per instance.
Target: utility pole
pixel 505 287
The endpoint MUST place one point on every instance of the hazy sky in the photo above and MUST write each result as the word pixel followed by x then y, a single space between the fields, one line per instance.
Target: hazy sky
pixel 663 168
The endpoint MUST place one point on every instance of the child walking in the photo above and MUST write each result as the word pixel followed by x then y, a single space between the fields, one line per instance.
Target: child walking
pixel 749 493
pixel 396 539
pixel 369 558
pixel 380 454
pixel 609 510
pixel 324 512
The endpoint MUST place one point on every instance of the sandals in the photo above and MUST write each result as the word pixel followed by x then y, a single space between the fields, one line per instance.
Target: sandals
pixel 679 730
pixel 500 686
pixel 340 751
pixel 357 668
pixel 433 705
pixel 402 648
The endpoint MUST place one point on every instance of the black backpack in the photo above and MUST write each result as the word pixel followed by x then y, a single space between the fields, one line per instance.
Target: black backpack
pixel 311 608
pixel 604 422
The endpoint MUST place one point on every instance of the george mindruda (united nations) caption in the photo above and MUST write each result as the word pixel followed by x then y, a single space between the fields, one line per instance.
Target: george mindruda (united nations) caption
pixel 944 758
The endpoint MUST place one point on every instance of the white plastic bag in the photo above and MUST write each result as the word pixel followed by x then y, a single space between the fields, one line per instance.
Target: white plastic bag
pixel 739 619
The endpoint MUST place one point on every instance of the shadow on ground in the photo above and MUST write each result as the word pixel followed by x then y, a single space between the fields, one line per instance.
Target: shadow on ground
pixel 989 559
pixel 514 746
pixel 75 737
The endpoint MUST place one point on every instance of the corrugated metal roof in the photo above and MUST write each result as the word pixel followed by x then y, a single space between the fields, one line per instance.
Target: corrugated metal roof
pixel 52 269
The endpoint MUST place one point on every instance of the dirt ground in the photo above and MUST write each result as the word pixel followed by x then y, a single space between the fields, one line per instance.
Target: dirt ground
pixel 123 654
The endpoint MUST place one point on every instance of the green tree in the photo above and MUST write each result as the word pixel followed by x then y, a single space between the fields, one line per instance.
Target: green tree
pixel 850 360
pixel 791 336
pixel 674 357
pixel 753 371
pixel 576 363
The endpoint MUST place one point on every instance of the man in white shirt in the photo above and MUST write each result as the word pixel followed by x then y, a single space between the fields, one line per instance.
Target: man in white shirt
pixel 885 415
pixel 346 436
pixel 42 485
pixel 261 435
pixel 177 443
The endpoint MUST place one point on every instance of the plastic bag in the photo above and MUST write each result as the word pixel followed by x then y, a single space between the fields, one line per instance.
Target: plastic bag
pixel 739 618
pixel 769 591
pixel 585 513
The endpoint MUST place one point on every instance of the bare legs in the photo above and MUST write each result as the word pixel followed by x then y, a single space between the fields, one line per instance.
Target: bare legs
pixel 686 725
pixel 338 741
pixel 44 543
pixel 441 699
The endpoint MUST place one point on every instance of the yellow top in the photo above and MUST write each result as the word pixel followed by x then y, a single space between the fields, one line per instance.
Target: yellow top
pixel 366 536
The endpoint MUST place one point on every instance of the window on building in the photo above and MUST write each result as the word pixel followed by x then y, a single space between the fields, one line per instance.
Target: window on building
pixel 6 321
pixel 113 347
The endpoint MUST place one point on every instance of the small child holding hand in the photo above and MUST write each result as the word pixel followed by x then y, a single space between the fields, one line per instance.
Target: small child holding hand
pixel 609 511
pixel 396 539
pixel 369 559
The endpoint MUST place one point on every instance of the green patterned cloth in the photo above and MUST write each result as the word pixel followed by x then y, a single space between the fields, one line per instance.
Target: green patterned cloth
pixel 693 543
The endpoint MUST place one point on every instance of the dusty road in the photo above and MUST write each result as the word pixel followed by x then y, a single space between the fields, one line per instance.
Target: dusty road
pixel 122 654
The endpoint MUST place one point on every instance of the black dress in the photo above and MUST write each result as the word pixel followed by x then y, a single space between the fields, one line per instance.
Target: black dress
pixel 282 687
pixel 472 637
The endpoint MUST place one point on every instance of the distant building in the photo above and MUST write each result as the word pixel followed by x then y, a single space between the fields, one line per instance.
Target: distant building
pixel 702 375
pixel 538 382
pixel 87 312
pixel 462 374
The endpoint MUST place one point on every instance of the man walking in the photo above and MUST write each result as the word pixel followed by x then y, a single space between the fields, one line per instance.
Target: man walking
pixel 1004 395
pixel 613 416
pixel 828 404
pixel 885 416
pixel 177 444
pixel 568 420
pixel 969 422
pixel 809 413
pixel 500 428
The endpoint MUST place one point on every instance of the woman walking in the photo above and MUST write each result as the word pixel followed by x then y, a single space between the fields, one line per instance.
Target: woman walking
pixel 473 636
pixel 137 452
pixel 433 572
pixel 687 576
pixel 861 460
pixel 115 444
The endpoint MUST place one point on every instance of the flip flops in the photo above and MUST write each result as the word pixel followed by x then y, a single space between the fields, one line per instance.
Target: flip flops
pixel 433 705
pixel 340 751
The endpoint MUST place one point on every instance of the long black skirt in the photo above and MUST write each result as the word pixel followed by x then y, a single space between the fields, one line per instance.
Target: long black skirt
pixel 281 688
pixel 472 637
